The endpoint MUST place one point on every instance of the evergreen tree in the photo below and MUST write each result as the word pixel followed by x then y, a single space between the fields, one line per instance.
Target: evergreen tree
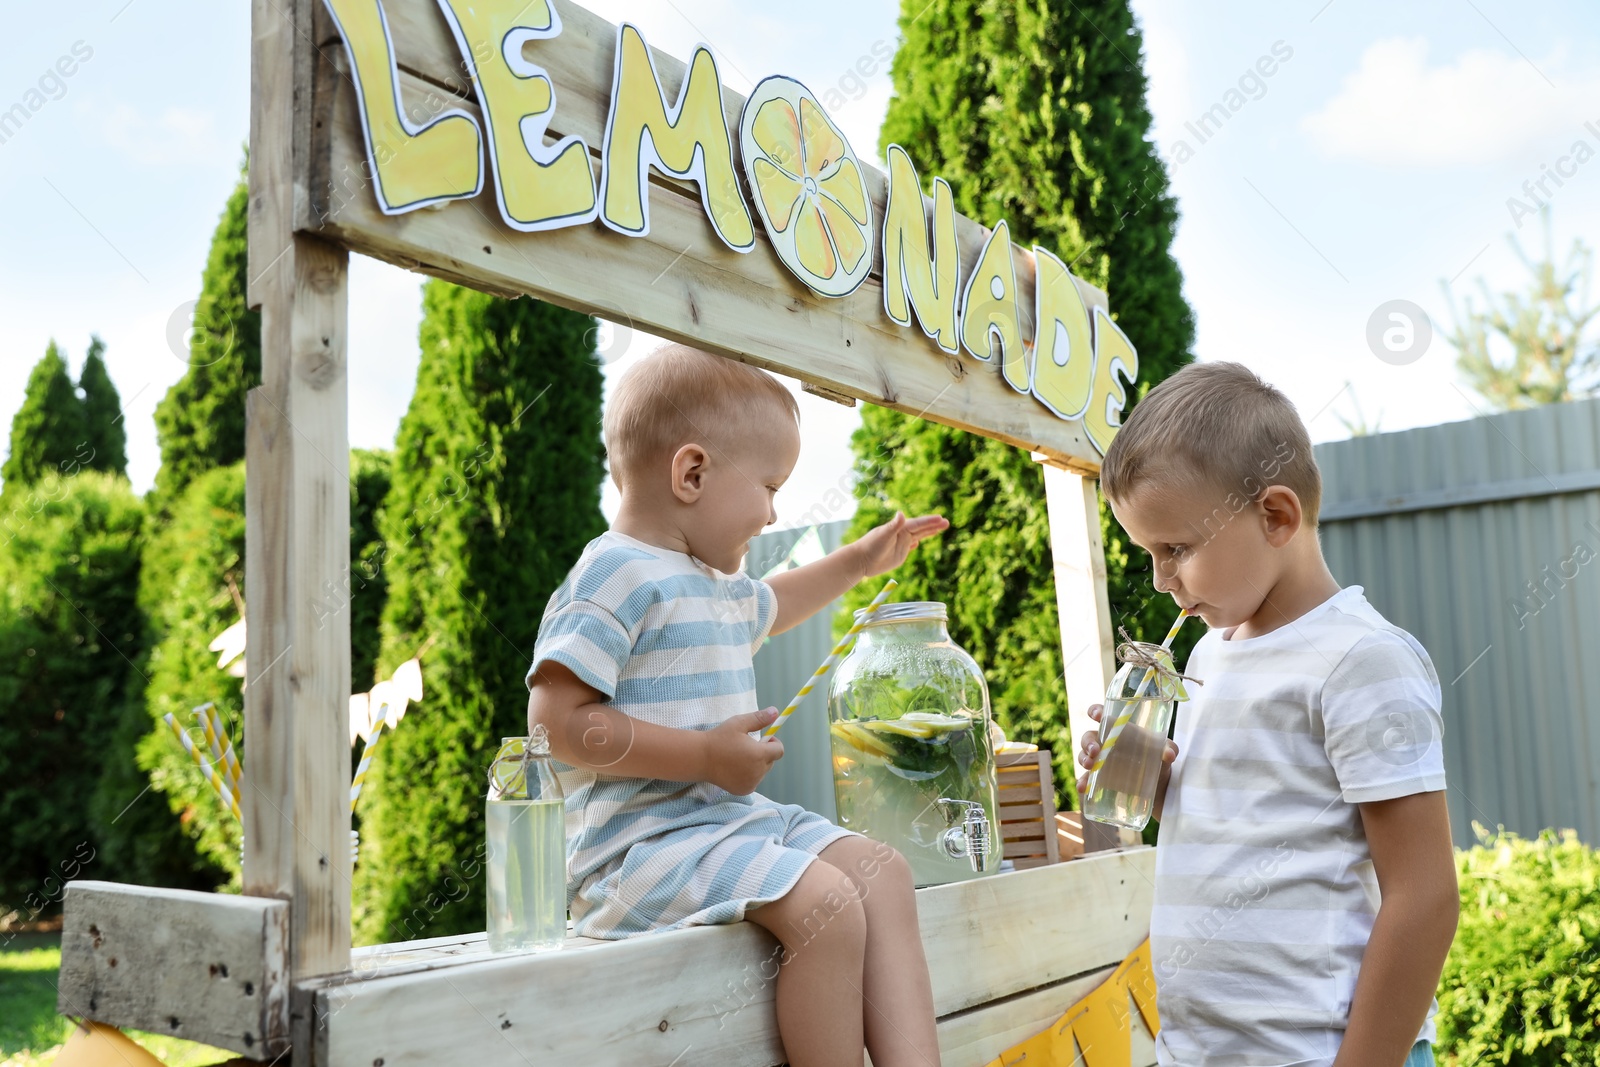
pixel 47 432
pixel 69 636
pixel 496 490
pixel 102 414
pixel 1034 112
pixel 193 569
pixel 200 422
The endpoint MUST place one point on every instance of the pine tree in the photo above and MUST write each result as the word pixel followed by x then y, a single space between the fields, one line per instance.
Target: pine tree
pixel 200 422
pixel 102 414
pixel 1035 113
pixel 47 432
pixel 496 489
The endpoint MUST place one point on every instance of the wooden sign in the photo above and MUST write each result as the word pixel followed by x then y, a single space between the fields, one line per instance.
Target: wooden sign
pixel 639 188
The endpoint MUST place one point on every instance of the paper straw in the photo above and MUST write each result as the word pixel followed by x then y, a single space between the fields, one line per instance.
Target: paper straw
pixel 366 758
pixel 833 657
pixel 222 791
pixel 220 743
pixel 1150 672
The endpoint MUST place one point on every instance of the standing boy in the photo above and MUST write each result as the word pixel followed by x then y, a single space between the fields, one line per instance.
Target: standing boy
pixel 1305 894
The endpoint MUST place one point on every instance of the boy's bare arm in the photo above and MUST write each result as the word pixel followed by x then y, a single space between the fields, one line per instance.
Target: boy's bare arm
pixel 804 591
pixel 1411 854
pixel 586 732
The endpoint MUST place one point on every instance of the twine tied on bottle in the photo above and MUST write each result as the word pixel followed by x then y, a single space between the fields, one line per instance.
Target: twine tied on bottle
pixel 1155 659
pixel 508 771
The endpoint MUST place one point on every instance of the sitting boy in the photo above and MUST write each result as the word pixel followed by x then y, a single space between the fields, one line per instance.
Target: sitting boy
pixel 642 674
pixel 1305 892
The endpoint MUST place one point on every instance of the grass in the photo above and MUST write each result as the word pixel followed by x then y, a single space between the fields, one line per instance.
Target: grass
pixel 31 1033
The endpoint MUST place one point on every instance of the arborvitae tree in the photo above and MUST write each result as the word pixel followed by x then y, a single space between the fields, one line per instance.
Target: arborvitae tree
pixel 192 566
pixel 192 588
pixel 1034 112
pixel 370 474
pixel 102 414
pixel 69 636
pixel 47 432
pixel 200 422
pixel 498 468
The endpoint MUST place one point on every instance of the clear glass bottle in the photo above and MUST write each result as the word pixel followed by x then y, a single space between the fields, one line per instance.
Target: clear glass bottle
pixel 913 761
pixel 525 820
pixel 1138 711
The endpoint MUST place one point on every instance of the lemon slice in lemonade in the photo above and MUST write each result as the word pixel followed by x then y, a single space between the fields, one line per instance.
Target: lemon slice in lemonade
pixel 508 773
pixel 809 187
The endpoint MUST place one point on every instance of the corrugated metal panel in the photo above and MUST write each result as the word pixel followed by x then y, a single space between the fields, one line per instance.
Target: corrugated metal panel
pixel 1482 538
pixel 804 775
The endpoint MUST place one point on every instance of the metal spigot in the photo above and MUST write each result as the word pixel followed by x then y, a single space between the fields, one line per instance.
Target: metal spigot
pixel 971 837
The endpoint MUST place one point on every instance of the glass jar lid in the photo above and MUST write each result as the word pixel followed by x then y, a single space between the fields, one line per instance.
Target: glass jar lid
pixel 905 611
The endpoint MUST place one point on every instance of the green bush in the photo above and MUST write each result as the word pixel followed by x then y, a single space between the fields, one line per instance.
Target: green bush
pixel 1522 983
pixel 69 633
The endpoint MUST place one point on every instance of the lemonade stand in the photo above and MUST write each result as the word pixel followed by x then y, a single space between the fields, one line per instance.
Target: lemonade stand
pixel 600 174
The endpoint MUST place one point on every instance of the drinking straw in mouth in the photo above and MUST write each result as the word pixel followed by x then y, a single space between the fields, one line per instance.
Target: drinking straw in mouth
pixel 228 799
pixel 366 757
pixel 1127 714
pixel 833 658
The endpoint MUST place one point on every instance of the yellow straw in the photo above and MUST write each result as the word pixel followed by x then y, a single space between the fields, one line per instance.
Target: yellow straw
pixel 833 657
pixel 228 799
pixel 366 757
pixel 1127 714
pixel 211 722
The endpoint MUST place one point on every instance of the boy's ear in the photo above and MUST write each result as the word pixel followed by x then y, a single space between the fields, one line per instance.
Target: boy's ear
pixel 688 472
pixel 1281 516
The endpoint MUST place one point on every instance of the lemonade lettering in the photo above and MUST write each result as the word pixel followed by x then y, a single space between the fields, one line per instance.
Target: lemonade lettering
pixel 806 182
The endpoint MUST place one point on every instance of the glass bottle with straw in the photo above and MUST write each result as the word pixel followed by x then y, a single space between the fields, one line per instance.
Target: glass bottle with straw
pixel 525 819
pixel 1138 710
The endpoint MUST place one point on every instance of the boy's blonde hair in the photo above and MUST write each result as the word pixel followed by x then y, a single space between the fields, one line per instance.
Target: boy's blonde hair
pixel 679 394
pixel 1221 425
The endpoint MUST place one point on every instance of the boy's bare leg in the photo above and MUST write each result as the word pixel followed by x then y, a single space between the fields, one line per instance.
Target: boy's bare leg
pixel 823 930
pixel 897 991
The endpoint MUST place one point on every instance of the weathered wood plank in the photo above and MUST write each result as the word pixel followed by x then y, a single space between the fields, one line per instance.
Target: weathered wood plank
pixel 680 282
pixel 705 994
pixel 1087 638
pixel 201 966
pixel 974 1038
pixel 297 503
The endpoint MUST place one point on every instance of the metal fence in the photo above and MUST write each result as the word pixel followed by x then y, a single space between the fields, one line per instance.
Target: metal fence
pixel 1482 538
pixel 805 774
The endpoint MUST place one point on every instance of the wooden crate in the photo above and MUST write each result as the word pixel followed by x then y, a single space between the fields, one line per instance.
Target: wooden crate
pixel 1027 801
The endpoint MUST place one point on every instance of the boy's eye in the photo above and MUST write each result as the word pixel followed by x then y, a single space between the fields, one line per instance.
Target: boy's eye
pixel 1177 551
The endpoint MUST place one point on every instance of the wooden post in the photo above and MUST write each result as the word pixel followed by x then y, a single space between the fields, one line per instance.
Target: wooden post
pixel 297 524
pixel 1088 642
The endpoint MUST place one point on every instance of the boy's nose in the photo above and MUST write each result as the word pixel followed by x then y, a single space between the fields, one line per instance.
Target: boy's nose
pixel 1162 582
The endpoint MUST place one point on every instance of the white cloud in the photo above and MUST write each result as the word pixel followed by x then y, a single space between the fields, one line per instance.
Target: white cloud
pixel 1397 110
pixel 179 136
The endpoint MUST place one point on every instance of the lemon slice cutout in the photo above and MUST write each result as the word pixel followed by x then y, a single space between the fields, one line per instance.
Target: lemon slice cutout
pixel 809 187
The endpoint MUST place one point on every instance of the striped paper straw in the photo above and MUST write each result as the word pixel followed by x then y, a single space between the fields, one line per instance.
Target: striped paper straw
pixel 833 657
pixel 219 742
pixel 366 757
pixel 221 788
pixel 1127 714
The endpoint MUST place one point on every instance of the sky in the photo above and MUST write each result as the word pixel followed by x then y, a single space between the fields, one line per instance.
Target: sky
pixel 1382 159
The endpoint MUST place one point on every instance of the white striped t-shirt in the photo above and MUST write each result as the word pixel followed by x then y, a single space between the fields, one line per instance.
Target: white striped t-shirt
pixel 668 639
pixel 1265 893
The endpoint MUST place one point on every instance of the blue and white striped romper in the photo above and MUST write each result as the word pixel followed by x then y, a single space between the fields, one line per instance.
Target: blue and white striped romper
pixel 670 640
